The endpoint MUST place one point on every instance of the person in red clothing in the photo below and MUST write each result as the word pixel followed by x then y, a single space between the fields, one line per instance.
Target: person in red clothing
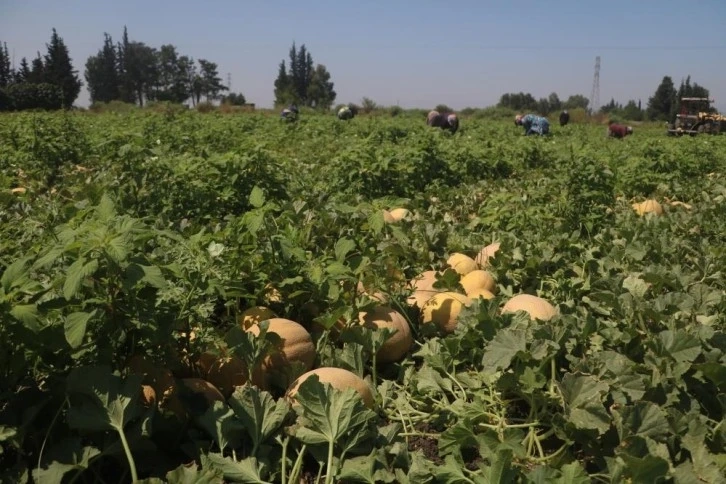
pixel 619 131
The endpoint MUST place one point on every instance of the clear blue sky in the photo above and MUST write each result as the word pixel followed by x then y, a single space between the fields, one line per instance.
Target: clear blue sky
pixel 414 53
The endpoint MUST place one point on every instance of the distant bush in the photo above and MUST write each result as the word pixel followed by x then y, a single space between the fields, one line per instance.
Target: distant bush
pixel 205 107
pixel 112 107
pixel 19 97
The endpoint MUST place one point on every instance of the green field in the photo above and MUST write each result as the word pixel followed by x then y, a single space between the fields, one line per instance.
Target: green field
pixel 149 234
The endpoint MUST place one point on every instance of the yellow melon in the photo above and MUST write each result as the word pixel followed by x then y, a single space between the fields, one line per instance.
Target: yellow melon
pixel 478 279
pixel 226 373
pixel 297 345
pixel 387 217
pixel 648 206
pixel 536 307
pixel 477 293
pixel 188 388
pixel 254 315
pixel 376 296
pixel 461 263
pixel 161 380
pixel 338 378
pixel 384 317
pixel 487 253
pixel 398 214
pixel 443 310
pixel 148 396
pixel 423 288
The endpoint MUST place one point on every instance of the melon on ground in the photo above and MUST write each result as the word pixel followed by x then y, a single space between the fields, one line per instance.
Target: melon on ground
pixel 338 378
pixel 443 310
pixel 226 373
pixel 148 396
pixel 189 388
pixel 648 206
pixel 477 293
pixel 478 279
pixel 297 345
pixel 161 380
pixel 254 315
pixel 398 214
pixel 488 252
pixel 535 306
pixel 376 296
pixel 384 317
pixel 461 263
pixel 423 288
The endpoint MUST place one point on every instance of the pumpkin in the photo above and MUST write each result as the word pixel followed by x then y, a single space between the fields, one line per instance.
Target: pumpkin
pixel 536 307
pixel 478 279
pixel 443 310
pixel 461 263
pixel 488 252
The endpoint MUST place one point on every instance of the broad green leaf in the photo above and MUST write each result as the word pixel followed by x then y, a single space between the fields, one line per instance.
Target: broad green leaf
pixel 245 471
pixel 457 437
pixel 500 471
pixel 331 416
pixel 154 277
pixel 572 473
pixel 500 351
pixel 636 286
pixel 584 402
pixel 257 197
pixel 14 274
pixel 342 247
pixel 680 345
pixel 192 475
pixel 220 423
pixel 118 248
pixel 66 456
pixel 101 400
pixel 715 372
pixel 366 468
pixel 259 413
pixel 642 419
pixel 75 328
pixel 28 314
pixel 645 470
pixel 79 270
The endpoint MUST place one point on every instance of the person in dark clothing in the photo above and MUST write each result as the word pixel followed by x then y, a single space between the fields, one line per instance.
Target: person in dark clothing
pixel 619 131
pixel 448 121
pixel 564 118
pixel 347 112
pixel 290 113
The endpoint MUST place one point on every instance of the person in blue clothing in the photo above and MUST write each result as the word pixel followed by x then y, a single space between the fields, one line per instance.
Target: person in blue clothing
pixel 290 113
pixel 533 124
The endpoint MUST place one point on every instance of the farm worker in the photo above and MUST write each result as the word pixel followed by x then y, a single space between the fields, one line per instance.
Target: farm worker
pixel 289 113
pixel 619 131
pixel 533 124
pixel 564 118
pixel 347 112
pixel 443 120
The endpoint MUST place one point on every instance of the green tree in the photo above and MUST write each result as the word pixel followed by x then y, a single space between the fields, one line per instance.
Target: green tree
pixel 22 74
pixel 138 70
pixel 554 102
pixel 102 75
pixel 518 101
pixel 211 84
pixel 687 89
pixel 632 111
pixel 662 104
pixel 37 71
pixel 234 99
pixel 58 70
pixel 304 83
pixel 6 71
pixel 576 101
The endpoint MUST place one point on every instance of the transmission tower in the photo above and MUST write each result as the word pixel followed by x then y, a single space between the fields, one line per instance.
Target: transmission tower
pixel 595 95
pixel 229 81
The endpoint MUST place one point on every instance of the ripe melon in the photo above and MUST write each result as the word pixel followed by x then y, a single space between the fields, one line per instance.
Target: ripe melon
pixel 188 389
pixel 488 252
pixel 477 293
pixel 148 396
pixel 478 279
pixel 388 218
pixel 443 309
pixel 398 214
pixel 648 206
pixel 536 307
pixel 376 296
pixel 423 289
pixel 159 379
pixel 297 345
pixel 226 373
pixel 19 190
pixel 400 342
pixel 338 378
pixel 461 263
pixel 254 315
pixel 272 295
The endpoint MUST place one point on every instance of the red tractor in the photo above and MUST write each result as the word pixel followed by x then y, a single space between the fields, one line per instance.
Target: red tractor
pixel 696 118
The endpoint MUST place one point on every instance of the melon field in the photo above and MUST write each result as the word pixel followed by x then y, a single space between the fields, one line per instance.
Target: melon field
pixel 204 298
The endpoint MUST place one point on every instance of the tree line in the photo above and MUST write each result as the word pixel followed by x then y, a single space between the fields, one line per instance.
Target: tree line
pixel 662 106
pixel 133 72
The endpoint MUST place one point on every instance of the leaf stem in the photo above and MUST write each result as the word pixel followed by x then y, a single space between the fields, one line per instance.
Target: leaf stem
pixel 129 457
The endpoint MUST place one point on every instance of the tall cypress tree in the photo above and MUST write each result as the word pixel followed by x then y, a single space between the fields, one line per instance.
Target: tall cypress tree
pixel 22 74
pixel 59 70
pixel 102 74
pixel 6 71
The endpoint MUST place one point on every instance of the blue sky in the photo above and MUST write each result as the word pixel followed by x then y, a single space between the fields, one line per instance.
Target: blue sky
pixel 412 53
